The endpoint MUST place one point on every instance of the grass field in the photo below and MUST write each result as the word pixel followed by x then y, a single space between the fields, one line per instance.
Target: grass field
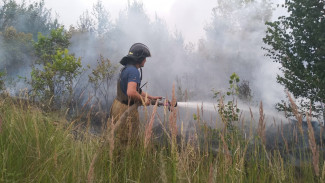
pixel 38 146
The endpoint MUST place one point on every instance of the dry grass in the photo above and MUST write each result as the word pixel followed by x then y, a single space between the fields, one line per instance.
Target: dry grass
pixel 296 113
pixel 211 176
pixel 313 145
pixel 311 135
pixel 205 154
pixel 284 139
pixel 261 125
pixel 148 128
pixel 228 158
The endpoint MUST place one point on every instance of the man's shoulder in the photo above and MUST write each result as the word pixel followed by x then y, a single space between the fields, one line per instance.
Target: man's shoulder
pixel 131 69
pixel 131 73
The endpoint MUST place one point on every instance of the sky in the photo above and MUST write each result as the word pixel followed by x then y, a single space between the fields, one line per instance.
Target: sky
pixel 187 16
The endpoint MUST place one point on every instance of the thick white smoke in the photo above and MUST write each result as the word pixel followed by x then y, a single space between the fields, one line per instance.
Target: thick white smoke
pixel 232 43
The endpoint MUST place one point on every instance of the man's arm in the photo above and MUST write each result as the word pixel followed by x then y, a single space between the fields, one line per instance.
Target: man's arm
pixel 133 93
pixel 144 94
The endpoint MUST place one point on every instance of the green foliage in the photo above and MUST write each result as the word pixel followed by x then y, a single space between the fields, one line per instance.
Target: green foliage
pixel 17 50
pixel 2 83
pixel 33 148
pixel 297 42
pixel 233 85
pixel 228 110
pixel 56 79
pixel 195 117
pixel 304 105
pixel 47 46
pixel 101 79
pixel 56 69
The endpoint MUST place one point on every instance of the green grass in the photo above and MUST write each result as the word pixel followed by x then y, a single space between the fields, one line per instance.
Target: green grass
pixel 43 147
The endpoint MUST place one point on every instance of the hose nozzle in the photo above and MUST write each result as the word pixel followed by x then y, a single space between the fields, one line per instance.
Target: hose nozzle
pixel 163 102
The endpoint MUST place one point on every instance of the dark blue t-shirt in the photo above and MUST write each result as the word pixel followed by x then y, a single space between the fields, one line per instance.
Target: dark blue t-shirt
pixel 129 74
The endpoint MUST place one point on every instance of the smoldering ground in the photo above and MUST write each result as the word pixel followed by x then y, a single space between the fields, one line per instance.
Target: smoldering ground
pixel 199 120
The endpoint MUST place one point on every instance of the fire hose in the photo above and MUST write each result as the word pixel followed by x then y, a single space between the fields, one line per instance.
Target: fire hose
pixel 163 102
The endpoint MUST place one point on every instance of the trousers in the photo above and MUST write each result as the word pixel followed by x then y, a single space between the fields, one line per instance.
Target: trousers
pixel 129 127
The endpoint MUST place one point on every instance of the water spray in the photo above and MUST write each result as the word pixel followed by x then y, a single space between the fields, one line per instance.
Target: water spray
pixel 194 105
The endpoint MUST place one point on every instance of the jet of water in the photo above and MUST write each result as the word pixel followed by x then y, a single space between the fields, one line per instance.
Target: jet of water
pixel 194 105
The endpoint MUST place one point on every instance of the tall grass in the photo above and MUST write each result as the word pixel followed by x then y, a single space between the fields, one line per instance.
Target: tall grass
pixel 44 147
pixel 35 147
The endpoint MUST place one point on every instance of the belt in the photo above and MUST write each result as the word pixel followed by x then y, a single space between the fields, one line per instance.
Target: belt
pixel 126 102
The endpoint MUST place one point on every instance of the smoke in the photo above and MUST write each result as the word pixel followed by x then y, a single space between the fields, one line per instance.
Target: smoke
pixel 189 17
pixel 231 42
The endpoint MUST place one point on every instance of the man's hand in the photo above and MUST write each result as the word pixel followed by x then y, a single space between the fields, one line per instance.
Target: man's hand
pixel 147 101
pixel 155 98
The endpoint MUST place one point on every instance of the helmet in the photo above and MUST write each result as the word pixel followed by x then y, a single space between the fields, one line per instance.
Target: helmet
pixel 137 53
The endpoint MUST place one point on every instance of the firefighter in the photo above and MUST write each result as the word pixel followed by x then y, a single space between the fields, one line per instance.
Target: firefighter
pixel 129 93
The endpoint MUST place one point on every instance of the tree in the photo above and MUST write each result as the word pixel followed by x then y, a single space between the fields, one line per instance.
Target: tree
pixel 133 18
pixel 47 46
pixel 32 18
pixel 233 41
pixel 102 17
pixel 229 112
pixel 52 79
pixel 98 21
pixel 86 23
pixel 17 50
pixel 297 42
pixel 244 91
pixel 101 80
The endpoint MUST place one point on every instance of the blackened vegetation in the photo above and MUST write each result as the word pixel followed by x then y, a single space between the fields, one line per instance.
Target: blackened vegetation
pixel 284 138
pixel 244 91
pixel 293 144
